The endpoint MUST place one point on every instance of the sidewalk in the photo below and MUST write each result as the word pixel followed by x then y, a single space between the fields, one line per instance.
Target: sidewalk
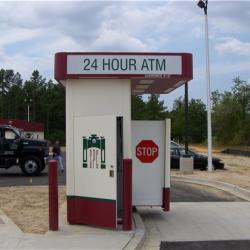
pixel 196 221
pixel 68 236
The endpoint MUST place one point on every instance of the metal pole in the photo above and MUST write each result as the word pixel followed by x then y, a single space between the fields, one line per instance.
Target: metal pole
pixel 186 118
pixel 209 126
pixel 28 112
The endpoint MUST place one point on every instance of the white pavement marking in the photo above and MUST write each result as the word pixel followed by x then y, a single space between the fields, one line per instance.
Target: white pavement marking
pixel 203 221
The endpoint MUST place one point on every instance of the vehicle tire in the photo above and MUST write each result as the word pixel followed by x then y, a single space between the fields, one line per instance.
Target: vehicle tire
pixel 31 165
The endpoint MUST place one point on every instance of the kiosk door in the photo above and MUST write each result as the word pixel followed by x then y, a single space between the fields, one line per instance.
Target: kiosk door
pixel 95 166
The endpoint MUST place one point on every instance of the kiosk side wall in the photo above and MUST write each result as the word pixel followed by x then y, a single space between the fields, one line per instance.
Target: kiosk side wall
pixel 96 97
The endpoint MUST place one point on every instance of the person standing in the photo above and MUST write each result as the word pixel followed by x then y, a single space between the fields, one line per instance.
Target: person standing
pixel 57 155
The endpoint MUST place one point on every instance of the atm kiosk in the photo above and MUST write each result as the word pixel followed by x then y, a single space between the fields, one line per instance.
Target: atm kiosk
pixel 100 133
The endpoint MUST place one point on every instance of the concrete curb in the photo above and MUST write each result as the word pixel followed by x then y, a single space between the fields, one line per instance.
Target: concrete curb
pixel 139 235
pixel 9 225
pixel 230 188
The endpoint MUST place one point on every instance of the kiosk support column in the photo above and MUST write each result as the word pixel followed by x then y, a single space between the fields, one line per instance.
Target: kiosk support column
pixel 166 188
pixel 53 196
pixel 127 194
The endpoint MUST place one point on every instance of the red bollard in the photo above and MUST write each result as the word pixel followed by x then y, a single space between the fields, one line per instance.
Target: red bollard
pixel 127 194
pixel 53 196
pixel 166 199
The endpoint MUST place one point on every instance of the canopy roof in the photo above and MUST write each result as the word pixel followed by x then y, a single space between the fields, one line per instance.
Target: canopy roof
pixel 150 73
pixel 22 124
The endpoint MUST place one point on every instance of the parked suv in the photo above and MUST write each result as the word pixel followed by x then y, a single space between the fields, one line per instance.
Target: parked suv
pixel 15 149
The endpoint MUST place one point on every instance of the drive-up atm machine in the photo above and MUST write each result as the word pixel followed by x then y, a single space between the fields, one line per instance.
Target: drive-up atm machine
pixel 99 129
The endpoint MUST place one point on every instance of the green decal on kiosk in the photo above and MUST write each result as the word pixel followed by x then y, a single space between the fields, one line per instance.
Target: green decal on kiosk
pixel 94 152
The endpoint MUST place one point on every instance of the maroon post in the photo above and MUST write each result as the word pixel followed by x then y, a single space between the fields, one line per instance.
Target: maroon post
pixel 53 196
pixel 127 194
pixel 166 199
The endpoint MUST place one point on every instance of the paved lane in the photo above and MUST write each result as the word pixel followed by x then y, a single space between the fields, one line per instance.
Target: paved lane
pixel 200 218
pixel 14 177
pixel 188 192
pixel 197 222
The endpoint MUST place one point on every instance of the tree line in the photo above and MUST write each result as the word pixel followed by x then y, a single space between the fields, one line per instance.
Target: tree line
pixel 230 115
pixel 46 99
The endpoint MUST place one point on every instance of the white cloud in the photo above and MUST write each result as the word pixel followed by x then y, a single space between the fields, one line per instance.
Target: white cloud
pixel 152 24
pixel 16 35
pixel 88 20
pixel 25 65
pixel 44 28
pixel 229 17
pixel 114 41
pixel 233 46
pixel 232 68
pixel 226 68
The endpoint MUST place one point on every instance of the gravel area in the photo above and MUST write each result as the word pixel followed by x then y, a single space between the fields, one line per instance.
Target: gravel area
pixel 237 169
pixel 28 206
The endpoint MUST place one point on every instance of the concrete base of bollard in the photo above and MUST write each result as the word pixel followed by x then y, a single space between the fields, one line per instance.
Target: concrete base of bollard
pixel 187 165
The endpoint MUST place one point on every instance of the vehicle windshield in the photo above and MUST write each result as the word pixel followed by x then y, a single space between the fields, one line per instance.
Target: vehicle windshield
pixel 19 132
pixel 190 152
pixel 174 144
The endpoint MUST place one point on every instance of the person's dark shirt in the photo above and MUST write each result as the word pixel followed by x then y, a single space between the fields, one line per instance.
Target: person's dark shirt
pixel 56 150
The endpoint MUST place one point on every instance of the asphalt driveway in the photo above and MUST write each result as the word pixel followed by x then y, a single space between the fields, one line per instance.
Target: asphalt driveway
pixel 14 177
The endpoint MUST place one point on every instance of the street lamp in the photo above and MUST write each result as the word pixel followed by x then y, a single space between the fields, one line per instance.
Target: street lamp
pixel 28 100
pixel 203 5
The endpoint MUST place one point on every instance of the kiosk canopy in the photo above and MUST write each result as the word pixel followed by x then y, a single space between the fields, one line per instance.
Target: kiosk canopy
pixel 149 73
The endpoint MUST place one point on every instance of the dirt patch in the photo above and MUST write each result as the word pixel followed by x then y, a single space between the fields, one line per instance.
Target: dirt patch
pixel 28 206
pixel 218 148
pixel 237 168
pixel 203 148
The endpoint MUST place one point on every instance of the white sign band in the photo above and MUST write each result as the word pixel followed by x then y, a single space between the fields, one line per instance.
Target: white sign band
pixel 124 64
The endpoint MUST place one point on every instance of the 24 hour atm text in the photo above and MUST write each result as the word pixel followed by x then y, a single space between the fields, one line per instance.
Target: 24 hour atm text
pixel 124 64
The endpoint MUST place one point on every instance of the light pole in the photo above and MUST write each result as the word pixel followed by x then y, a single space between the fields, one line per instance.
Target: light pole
pixel 203 5
pixel 28 100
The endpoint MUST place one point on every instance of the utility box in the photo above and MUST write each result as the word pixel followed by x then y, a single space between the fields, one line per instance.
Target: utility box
pixel 187 165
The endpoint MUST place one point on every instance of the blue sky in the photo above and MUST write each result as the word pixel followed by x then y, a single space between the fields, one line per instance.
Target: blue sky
pixel 32 32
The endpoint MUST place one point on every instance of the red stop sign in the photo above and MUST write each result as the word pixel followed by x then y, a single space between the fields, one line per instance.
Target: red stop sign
pixel 147 151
